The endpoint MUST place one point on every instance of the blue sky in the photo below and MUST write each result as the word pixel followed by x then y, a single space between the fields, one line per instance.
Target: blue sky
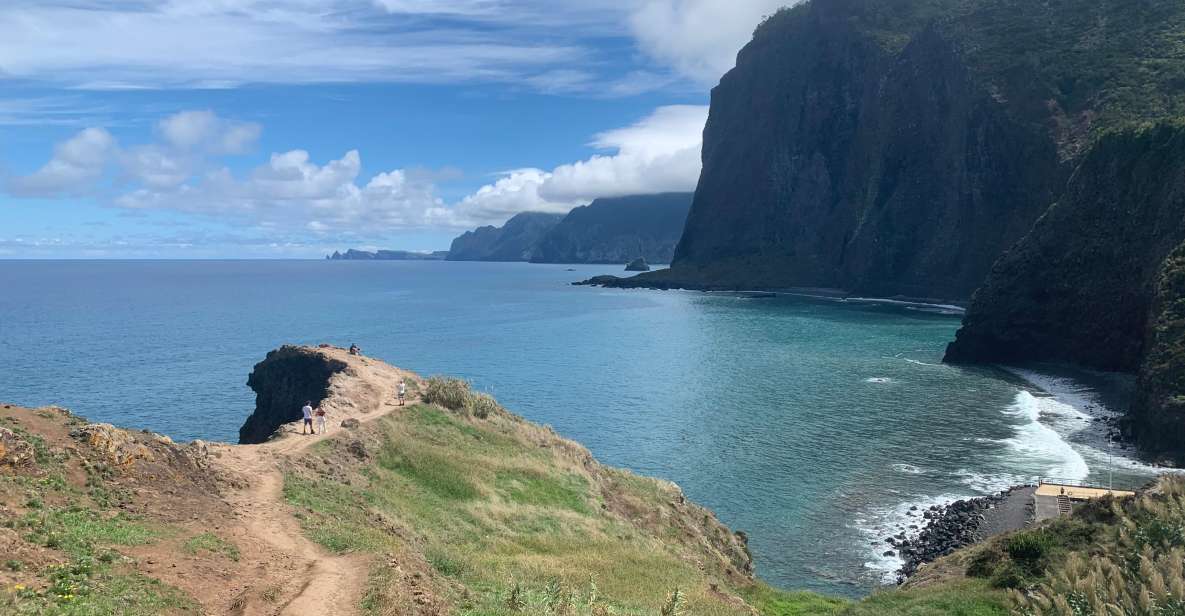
pixel 261 128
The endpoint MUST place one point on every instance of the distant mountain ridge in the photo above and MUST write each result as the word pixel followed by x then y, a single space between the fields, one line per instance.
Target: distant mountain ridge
pixel 618 230
pixel 608 230
pixel 513 241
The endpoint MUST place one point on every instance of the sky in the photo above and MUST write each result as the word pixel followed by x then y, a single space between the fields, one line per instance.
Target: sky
pixel 292 128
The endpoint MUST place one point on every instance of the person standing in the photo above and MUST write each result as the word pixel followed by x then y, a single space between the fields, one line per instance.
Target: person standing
pixel 307 411
pixel 320 413
pixel 402 392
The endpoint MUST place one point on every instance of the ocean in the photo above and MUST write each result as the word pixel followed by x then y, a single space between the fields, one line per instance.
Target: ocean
pixel 812 424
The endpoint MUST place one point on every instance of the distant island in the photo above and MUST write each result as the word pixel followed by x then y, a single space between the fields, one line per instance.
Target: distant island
pixel 387 255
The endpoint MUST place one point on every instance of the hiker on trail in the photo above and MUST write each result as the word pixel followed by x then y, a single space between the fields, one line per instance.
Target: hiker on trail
pixel 320 413
pixel 402 392
pixel 307 411
pixel 354 350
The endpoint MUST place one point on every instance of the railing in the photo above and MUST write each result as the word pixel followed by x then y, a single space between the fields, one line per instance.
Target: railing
pixel 1081 483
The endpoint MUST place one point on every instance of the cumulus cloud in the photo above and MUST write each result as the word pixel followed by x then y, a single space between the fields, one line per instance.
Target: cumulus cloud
pixel 292 193
pixel 77 164
pixel 699 38
pixel 659 153
pixel 191 130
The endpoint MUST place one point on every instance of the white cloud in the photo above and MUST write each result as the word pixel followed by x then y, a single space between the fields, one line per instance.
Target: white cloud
pixel 555 46
pixel 660 153
pixel 699 38
pixel 292 193
pixel 77 164
pixel 225 43
pixel 191 130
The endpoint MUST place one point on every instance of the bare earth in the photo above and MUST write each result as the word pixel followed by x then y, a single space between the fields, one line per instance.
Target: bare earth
pixel 311 580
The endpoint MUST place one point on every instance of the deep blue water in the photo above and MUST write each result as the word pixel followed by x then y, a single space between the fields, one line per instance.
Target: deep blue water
pixel 811 424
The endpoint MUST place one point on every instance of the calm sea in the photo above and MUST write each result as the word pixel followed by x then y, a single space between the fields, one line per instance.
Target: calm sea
pixel 811 424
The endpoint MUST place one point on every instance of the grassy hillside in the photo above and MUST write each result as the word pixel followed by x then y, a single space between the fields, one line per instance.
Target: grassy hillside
pixel 503 517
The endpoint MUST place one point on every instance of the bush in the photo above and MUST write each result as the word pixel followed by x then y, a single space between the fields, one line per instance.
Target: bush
pixel 452 394
pixel 1029 549
pixel 455 395
pixel 483 405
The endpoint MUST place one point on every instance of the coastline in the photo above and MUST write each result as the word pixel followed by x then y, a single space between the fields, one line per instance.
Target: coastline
pixel 1073 406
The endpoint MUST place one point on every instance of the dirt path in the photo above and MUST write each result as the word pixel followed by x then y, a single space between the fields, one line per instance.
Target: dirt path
pixel 302 578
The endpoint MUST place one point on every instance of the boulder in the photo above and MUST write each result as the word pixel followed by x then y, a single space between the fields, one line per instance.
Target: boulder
pixel 351 423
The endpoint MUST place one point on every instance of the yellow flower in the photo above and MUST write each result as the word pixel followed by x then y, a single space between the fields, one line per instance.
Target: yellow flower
pixel 19 587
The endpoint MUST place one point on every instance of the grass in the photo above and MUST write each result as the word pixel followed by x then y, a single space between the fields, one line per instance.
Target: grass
pixel 771 602
pixel 95 579
pixel 209 542
pixel 533 488
pixel 105 592
pixel 79 532
pixel 489 510
pixel 974 598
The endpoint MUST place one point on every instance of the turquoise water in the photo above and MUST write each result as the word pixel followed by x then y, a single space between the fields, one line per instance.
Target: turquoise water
pixel 811 424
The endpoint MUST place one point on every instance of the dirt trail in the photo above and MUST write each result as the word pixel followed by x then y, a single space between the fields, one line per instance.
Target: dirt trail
pixel 303 578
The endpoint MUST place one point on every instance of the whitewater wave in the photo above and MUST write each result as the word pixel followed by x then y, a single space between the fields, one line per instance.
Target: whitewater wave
pixel 1042 444
pixel 992 483
pixel 908 469
pixel 884 522
pixel 878 379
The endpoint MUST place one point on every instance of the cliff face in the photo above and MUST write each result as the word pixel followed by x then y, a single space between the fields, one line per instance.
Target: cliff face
pixel 1093 282
pixel 1079 287
pixel 514 241
pixel 898 147
pixel 282 382
pixel 1157 419
pixel 617 231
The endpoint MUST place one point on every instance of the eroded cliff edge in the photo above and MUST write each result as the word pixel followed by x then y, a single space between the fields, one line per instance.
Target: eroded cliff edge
pixel 282 382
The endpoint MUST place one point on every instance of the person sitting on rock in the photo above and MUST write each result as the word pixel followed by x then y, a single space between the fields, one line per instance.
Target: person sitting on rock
pixel 307 411
pixel 354 350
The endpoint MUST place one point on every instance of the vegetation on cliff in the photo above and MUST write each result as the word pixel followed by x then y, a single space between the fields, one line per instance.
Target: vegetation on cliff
pixel 617 230
pixel 513 241
pixel 898 147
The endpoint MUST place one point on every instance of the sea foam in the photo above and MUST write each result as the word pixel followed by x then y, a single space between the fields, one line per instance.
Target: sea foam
pixel 1043 443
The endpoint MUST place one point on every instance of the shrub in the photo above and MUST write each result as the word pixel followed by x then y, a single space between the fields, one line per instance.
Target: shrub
pixel 1029 549
pixel 483 405
pixel 452 394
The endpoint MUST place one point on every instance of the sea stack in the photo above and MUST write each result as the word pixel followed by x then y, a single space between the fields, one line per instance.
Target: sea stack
pixel 638 265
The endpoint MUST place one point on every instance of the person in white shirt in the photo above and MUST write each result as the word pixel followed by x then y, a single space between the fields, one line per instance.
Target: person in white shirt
pixel 402 392
pixel 320 413
pixel 307 411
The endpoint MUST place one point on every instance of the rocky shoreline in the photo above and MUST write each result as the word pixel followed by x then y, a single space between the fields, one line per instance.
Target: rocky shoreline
pixel 959 524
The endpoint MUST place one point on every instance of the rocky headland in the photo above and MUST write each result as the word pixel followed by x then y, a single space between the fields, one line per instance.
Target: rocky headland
pixel 513 241
pixel 446 505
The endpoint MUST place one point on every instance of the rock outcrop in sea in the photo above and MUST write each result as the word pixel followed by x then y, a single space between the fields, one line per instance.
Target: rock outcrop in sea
pixel 638 265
